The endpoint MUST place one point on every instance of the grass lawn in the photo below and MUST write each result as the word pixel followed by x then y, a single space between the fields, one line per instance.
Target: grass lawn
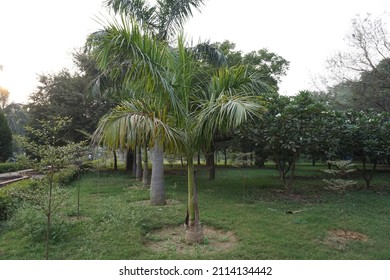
pixel 248 216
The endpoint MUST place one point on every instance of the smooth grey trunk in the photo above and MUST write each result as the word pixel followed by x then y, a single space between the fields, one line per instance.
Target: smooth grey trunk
pixel 145 177
pixel 138 173
pixel 157 187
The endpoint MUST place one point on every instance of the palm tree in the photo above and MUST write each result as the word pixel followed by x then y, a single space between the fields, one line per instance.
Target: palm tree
pixel 115 52
pixel 228 99
pixel 204 110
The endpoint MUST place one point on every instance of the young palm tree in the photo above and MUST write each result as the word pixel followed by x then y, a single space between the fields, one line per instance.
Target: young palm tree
pixel 228 100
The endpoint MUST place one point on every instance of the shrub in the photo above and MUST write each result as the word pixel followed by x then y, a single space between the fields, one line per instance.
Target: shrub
pixel 8 167
pixel 9 198
pixel 66 175
pixel 12 195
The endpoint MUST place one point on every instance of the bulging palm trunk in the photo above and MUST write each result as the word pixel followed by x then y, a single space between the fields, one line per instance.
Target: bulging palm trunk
pixel 157 187
pixel 194 231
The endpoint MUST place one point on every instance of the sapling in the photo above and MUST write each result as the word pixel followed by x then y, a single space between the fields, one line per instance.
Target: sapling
pixel 51 156
pixel 340 182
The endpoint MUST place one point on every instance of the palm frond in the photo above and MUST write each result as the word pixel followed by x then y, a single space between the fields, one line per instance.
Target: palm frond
pixel 130 55
pixel 172 14
pixel 133 122
pixel 228 113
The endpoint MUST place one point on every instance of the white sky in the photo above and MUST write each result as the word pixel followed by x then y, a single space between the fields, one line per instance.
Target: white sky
pixel 38 36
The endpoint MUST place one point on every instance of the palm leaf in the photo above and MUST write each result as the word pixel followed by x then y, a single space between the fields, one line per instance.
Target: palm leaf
pixel 132 123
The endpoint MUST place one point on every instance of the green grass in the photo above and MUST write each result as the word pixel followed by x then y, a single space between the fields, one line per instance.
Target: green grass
pixel 116 224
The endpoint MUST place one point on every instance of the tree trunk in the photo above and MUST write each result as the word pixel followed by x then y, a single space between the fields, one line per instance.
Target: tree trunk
pixel 157 188
pixel 194 232
pixel 210 164
pixel 367 174
pixel 225 156
pixel 138 173
pixel 129 160
pixel 134 170
pixel 115 161
pixel 145 177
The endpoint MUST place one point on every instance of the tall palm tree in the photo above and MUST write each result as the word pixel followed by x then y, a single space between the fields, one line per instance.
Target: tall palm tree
pixel 135 60
pixel 115 54
pixel 221 106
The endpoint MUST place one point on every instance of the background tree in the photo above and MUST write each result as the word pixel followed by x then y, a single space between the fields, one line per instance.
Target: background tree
pixel 368 44
pixel 366 139
pixel 361 72
pixel 372 90
pixel 5 139
pixel 288 129
pixel 66 94
pixel 262 65
pixel 267 65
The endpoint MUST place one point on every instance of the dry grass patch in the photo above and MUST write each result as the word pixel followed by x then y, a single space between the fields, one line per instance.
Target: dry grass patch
pixel 171 240
pixel 339 238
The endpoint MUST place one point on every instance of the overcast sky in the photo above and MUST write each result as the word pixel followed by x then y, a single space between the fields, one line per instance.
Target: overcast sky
pixel 38 36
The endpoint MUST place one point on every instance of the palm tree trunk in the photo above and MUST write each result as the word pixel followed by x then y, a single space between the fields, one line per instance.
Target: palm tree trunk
pixel 194 232
pixel 129 160
pixel 210 163
pixel 145 177
pixel 115 161
pixel 157 188
pixel 134 171
pixel 138 173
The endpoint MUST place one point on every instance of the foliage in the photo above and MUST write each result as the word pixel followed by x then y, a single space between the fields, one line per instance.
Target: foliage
pixel 65 95
pixel 9 202
pixel 8 167
pixel 47 197
pixel 288 129
pixel 5 139
pixel 164 18
pixel 340 181
pixel 361 72
pixel 268 66
pixel 16 115
pixel 368 43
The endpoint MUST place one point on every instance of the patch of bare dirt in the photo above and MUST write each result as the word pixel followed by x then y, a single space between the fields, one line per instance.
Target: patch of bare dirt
pixel 171 240
pixel 348 235
pixel 339 238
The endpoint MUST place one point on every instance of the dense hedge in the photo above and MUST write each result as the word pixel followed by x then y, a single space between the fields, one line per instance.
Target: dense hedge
pixel 8 167
pixel 8 202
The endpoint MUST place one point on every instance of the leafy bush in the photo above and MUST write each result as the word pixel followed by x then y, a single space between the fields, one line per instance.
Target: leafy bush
pixel 9 198
pixel 12 195
pixel 8 167
pixel 66 175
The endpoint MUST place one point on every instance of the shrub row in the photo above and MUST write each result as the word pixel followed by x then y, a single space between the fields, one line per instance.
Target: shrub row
pixel 8 202
pixel 8 167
